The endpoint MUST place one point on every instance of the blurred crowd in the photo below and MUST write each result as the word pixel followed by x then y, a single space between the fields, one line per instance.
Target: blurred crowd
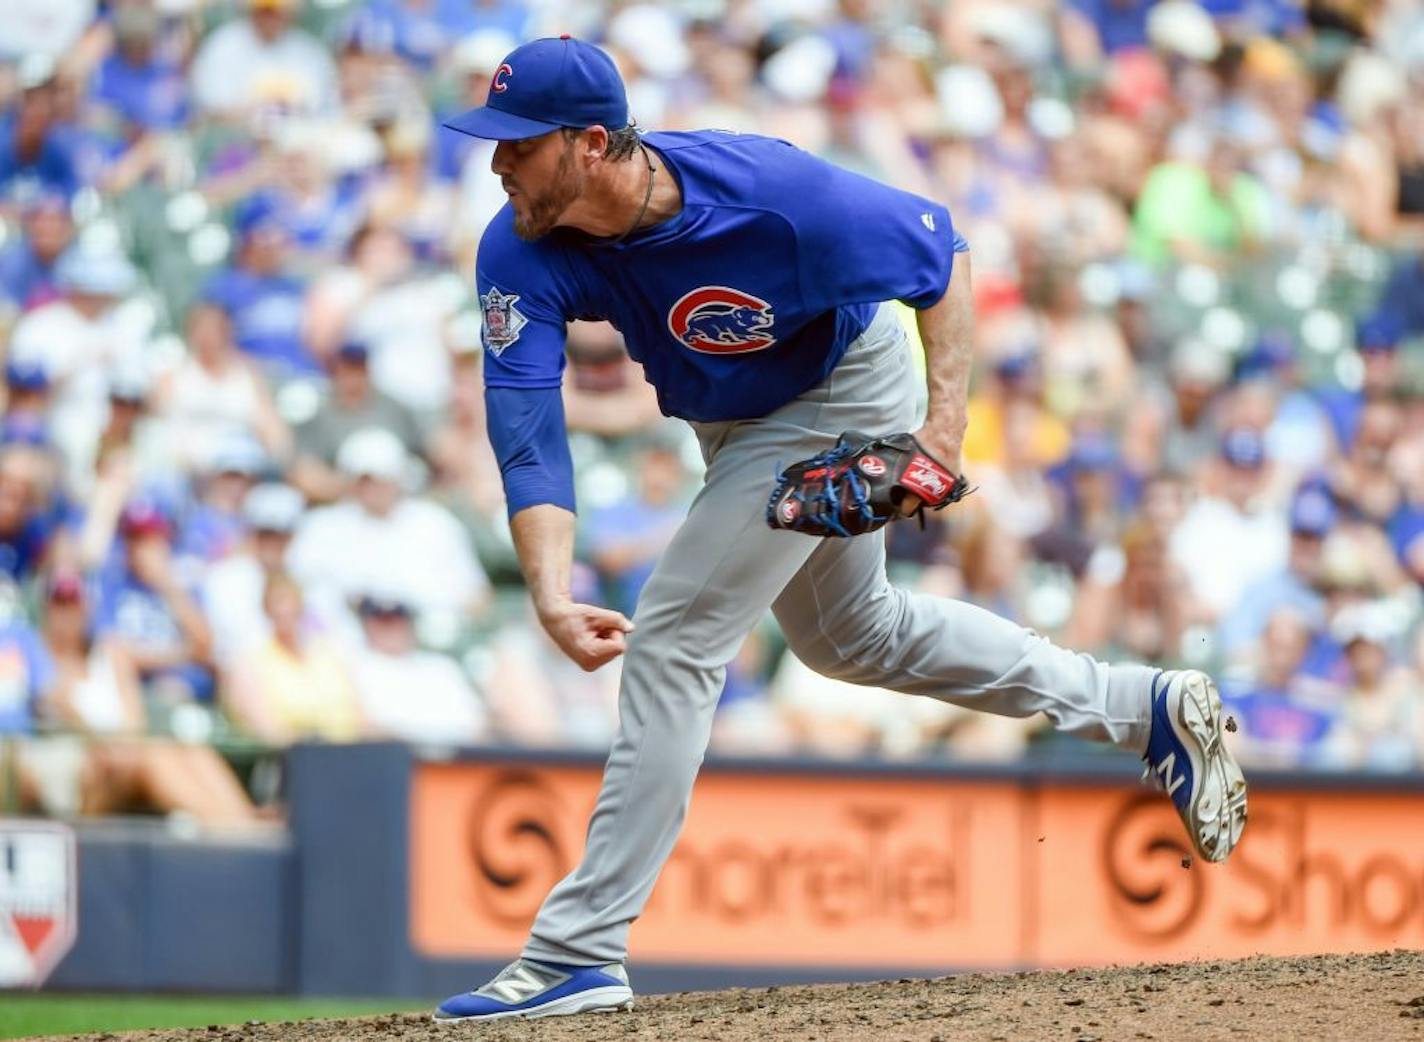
pixel 245 491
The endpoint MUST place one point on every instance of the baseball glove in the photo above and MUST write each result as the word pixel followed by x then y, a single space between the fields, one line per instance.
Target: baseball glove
pixel 859 486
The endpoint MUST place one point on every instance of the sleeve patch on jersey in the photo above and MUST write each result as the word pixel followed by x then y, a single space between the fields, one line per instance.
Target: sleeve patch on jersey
pixel 502 320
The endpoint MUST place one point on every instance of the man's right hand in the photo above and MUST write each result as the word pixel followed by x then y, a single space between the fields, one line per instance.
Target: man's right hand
pixel 589 635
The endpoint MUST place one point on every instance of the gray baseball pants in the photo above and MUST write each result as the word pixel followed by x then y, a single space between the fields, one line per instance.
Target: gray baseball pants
pixel 841 617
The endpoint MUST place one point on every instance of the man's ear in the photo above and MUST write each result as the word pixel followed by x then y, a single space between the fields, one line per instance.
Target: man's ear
pixel 595 142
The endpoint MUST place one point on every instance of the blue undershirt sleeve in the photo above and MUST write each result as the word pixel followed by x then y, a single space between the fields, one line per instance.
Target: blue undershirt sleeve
pixel 526 428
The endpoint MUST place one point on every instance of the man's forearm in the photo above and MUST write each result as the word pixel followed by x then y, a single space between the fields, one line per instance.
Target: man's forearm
pixel 544 540
pixel 947 332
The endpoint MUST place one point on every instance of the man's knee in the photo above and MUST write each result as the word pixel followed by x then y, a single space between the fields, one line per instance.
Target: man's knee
pixel 850 646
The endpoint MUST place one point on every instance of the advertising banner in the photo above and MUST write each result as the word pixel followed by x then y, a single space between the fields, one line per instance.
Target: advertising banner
pixel 929 872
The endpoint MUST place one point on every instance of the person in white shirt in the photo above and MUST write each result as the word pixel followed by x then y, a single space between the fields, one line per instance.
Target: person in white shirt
pixel 408 693
pixel 378 537
pixel 233 588
pixel 263 63
pixel 1234 535
pixel 97 329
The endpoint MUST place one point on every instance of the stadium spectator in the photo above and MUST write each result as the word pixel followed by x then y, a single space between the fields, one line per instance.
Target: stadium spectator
pixel 30 527
pixel 93 329
pixel 35 155
pixel 262 299
pixel 1284 720
pixel 406 692
pixel 214 394
pixel 380 537
pixel 1230 537
pixel 27 267
pixel 293 685
pixel 262 63
pixel 213 525
pixel 96 694
pixel 1293 587
pixel 352 404
pixel 234 587
pixel 626 538
pixel 141 81
pixel 1382 716
pixel 385 300
pixel 144 606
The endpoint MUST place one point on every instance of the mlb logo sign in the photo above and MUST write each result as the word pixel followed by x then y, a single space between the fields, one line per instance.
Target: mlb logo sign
pixel 38 900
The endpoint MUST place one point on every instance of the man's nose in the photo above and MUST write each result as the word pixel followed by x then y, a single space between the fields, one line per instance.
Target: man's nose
pixel 500 163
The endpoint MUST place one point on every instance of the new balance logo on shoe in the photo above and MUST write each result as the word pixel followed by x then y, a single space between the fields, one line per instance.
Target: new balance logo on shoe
pixel 1164 772
pixel 521 985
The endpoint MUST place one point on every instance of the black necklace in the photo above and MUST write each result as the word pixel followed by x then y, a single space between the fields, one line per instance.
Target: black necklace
pixel 647 196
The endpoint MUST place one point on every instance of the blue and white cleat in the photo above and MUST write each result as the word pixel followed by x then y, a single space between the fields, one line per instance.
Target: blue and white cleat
pixel 1187 757
pixel 526 988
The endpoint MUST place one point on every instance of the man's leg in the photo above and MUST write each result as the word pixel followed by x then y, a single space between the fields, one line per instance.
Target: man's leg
pixel 842 618
pixel 712 585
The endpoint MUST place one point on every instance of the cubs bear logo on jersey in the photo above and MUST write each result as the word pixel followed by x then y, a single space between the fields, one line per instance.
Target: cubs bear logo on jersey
pixel 720 320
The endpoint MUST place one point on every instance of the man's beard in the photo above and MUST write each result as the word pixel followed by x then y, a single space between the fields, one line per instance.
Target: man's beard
pixel 544 211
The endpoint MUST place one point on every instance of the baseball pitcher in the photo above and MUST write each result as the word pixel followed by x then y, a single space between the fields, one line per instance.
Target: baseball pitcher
pixel 749 279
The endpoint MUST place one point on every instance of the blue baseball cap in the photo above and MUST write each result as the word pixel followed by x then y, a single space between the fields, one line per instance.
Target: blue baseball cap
pixel 547 84
pixel 1313 512
pixel 24 375
pixel 1243 447
pixel 1381 331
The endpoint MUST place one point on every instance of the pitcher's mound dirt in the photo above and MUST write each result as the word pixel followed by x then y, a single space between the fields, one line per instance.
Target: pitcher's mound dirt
pixel 1360 998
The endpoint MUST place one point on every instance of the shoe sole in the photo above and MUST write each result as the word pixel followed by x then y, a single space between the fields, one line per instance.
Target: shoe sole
pixel 595 1000
pixel 1217 810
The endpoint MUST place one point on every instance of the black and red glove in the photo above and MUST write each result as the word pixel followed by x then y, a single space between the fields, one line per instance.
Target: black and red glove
pixel 860 485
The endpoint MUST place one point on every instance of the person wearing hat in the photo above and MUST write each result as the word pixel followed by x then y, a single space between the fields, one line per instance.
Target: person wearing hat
pixel 263 300
pixel 146 607
pixel 262 62
pixel 27 267
pixel 1294 586
pixel 748 278
pixel 378 534
pixel 95 327
pixel 352 403
pixel 1377 338
pixel 405 692
pixel 213 523
pixel 1232 535
pixel 233 587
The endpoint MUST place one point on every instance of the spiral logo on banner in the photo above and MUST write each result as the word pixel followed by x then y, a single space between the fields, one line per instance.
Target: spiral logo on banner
pixel 514 844
pixel 1154 896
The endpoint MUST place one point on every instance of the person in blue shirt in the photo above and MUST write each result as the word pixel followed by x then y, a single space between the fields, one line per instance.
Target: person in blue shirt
pixel 1403 295
pixel 143 604
pixel 27 267
pixel 626 538
pixel 262 300
pixel 750 280
pixel 1377 338
pixel 1293 587
pixel 27 671
pixel 35 154
pixel 146 88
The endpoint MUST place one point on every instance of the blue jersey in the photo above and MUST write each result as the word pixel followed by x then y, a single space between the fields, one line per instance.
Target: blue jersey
pixel 746 298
